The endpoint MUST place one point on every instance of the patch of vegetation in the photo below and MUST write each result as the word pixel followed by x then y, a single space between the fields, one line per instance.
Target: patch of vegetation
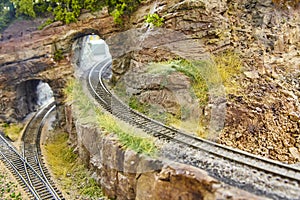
pixel 46 23
pixel 229 65
pixel 154 20
pixel 198 72
pixel 208 78
pixel 119 8
pixel 12 131
pixel 135 104
pixel 68 11
pixel 68 168
pixel 8 189
pixel 84 108
pixel 127 135
pixel 87 112
pixel 7 14
pixel 58 55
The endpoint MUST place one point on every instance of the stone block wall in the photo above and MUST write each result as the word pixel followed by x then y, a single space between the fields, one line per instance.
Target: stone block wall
pixel 124 174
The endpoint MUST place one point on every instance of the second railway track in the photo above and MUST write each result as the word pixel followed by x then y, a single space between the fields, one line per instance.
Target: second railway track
pixel 27 167
pixel 282 176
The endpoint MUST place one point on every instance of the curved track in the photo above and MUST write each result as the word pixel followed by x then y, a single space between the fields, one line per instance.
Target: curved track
pixel 31 147
pixel 282 172
pixel 28 168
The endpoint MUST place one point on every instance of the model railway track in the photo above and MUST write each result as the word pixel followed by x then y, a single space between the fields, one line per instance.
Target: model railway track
pixel 31 148
pixel 27 168
pixel 283 172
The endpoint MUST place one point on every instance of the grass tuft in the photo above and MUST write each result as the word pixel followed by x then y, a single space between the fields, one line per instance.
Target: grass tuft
pixel 8 189
pixel 208 79
pixel 68 168
pixel 13 131
pixel 229 65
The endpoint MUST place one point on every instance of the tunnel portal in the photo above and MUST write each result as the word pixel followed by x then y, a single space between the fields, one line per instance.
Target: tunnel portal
pixel 31 95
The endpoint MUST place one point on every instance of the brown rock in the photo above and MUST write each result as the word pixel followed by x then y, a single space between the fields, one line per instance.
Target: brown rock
pixel 295 153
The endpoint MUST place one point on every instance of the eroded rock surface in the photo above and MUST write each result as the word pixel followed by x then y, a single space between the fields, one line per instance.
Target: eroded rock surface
pixel 262 116
pixel 30 56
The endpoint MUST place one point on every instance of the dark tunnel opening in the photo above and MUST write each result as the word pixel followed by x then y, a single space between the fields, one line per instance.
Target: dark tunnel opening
pixel 31 95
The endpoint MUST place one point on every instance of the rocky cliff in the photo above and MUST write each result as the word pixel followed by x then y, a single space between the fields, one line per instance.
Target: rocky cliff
pixel 263 115
pixel 124 174
pixel 31 56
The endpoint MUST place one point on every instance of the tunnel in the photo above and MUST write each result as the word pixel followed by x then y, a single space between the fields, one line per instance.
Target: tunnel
pixel 88 51
pixel 31 95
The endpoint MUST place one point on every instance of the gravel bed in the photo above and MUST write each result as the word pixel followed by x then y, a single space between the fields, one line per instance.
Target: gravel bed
pixel 235 174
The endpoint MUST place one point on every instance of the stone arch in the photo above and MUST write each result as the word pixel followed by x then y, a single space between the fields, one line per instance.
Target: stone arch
pixel 66 41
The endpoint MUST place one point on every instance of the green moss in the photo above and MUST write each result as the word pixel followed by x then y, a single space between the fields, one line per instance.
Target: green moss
pixel 128 136
pixel 58 55
pixel 68 168
pixel 8 189
pixel 46 23
pixel 135 104
pixel 154 20
pixel 13 131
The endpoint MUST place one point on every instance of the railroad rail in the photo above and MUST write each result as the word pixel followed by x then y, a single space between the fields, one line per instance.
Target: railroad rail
pixel 276 176
pixel 27 168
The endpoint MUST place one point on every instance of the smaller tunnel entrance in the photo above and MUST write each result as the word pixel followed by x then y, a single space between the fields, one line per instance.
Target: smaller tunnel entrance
pixel 88 51
pixel 31 95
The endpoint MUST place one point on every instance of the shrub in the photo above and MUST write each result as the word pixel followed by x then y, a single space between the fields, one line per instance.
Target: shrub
pixel 154 20
pixel 58 55
pixel 46 23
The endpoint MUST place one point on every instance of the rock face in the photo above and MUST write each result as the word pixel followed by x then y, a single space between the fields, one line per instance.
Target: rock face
pixel 168 91
pixel 124 174
pixel 30 56
pixel 263 116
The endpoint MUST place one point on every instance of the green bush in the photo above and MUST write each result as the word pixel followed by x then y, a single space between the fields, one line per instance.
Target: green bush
pixel 7 14
pixel 68 11
pixel 46 23
pixel 58 55
pixel 154 20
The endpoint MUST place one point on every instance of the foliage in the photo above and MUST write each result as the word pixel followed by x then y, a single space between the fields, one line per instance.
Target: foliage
pixel 46 23
pixel 8 189
pixel 12 131
pixel 68 11
pixel 119 8
pixel 6 13
pixel 154 20
pixel 58 55
pixel 66 166
pixel 24 7
pixel 135 104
